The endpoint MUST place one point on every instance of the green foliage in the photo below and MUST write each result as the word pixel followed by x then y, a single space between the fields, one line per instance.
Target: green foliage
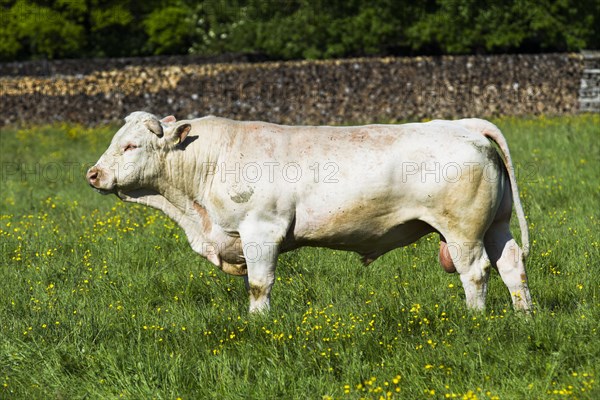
pixel 329 30
pixel 463 26
pixel 102 299
pixel 220 26
pixel 169 29
pixel 111 29
pixel 49 32
pixel 73 28
pixel 294 29
pixel 10 45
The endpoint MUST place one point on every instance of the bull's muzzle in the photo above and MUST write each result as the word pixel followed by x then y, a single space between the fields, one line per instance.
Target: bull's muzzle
pixel 93 176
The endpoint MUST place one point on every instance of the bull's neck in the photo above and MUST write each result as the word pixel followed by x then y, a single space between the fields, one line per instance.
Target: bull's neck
pixel 188 171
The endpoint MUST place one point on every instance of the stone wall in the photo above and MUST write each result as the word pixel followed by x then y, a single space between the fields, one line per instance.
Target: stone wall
pixel 305 92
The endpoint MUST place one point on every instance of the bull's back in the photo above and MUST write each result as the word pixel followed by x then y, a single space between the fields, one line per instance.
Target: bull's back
pixel 348 164
pixel 393 176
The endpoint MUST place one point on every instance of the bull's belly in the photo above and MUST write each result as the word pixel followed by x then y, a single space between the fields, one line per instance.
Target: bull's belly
pixel 368 239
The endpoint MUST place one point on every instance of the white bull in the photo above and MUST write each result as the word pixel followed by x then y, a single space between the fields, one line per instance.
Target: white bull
pixel 244 192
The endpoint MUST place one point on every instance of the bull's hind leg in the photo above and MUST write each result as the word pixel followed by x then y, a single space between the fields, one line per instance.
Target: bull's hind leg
pixel 507 257
pixel 472 263
pixel 474 269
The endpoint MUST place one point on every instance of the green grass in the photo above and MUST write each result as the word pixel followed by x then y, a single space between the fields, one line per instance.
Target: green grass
pixel 101 299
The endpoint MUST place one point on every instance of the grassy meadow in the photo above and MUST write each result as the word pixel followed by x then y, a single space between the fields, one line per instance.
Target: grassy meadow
pixel 100 299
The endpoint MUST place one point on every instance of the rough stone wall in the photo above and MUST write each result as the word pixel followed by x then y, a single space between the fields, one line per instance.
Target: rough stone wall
pixel 305 92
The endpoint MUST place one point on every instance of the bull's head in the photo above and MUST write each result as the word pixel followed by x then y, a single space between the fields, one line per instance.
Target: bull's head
pixel 134 157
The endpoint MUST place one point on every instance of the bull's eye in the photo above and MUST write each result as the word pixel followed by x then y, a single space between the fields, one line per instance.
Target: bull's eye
pixel 129 146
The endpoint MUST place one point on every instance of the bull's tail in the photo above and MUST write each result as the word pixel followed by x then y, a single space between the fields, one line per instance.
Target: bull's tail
pixel 492 132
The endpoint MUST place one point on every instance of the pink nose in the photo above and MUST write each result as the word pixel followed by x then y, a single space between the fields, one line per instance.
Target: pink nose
pixel 93 175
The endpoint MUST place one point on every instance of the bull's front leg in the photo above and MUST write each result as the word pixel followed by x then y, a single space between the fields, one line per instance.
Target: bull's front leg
pixel 261 249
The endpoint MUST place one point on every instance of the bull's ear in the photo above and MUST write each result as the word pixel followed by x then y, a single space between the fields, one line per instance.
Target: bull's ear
pixel 169 118
pixel 180 133
pixel 154 126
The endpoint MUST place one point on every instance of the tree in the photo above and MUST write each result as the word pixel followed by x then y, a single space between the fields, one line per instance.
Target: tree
pixel 465 26
pixel 73 28
pixel 42 31
pixel 293 29
pixel 170 30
